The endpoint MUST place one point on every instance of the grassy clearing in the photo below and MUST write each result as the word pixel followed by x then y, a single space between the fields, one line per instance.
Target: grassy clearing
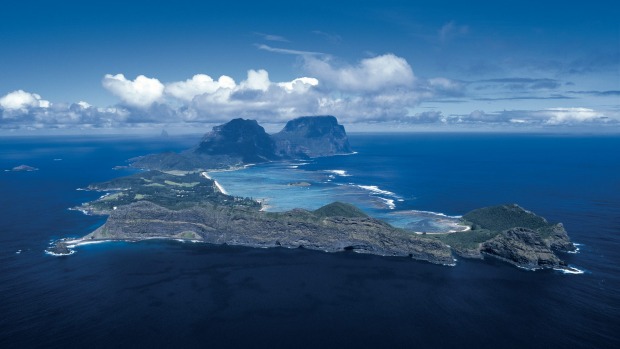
pixel 185 185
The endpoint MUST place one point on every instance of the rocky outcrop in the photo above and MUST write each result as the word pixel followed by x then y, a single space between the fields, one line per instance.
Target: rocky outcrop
pixel 523 247
pixel 557 239
pixel 311 136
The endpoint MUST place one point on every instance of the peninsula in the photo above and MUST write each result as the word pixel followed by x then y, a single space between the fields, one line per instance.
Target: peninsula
pixel 174 198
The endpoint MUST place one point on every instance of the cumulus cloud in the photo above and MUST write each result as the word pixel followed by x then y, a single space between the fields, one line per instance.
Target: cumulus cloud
pixel 141 92
pixel 22 100
pixel 299 85
pixel 41 114
pixel 197 85
pixel 257 80
pixel 258 97
pixel 369 75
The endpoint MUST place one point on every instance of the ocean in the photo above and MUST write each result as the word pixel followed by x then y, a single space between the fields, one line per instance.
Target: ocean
pixel 172 294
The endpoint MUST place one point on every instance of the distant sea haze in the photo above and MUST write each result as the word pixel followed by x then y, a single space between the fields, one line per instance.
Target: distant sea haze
pixel 167 293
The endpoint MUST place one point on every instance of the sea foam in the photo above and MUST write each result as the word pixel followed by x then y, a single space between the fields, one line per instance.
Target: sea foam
pixel 570 270
pixel 389 203
pixel 375 190
pixel 341 173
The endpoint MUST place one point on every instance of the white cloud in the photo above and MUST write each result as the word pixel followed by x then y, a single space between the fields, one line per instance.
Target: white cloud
pixel 197 85
pixel 22 100
pixel 257 97
pixel 373 90
pixel 84 105
pixel 558 116
pixel 549 116
pixel 371 74
pixel 299 85
pixel 257 80
pixel 141 92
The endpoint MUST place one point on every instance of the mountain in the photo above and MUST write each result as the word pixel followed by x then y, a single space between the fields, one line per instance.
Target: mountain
pixel 241 138
pixel 241 141
pixel 311 136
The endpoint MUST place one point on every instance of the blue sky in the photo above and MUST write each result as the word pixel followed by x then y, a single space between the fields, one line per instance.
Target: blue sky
pixel 376 65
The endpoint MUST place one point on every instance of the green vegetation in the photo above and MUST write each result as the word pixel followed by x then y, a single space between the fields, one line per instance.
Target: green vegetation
pixel 111 197
pixel 174 192
pixel 489 222
pixel 498 218
pixel 467 239
pixel 186 185
pixel 339 209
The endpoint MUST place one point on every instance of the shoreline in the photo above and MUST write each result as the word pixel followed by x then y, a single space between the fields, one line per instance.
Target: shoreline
pixel 72 244
pixel 219 187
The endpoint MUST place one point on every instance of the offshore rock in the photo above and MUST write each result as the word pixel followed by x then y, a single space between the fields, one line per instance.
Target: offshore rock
pixel 24 168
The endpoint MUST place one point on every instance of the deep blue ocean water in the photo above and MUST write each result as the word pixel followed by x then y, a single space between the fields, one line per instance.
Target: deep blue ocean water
pixel 164 294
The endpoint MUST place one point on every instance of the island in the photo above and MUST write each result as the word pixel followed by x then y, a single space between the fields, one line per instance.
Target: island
pixel 174 198
pixel 23 168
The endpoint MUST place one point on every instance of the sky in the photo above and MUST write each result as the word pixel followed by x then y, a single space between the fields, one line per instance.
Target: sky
pixel 140 66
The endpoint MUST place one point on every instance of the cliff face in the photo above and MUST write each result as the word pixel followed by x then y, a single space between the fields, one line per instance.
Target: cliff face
pixel 312 136
pixel 523 247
